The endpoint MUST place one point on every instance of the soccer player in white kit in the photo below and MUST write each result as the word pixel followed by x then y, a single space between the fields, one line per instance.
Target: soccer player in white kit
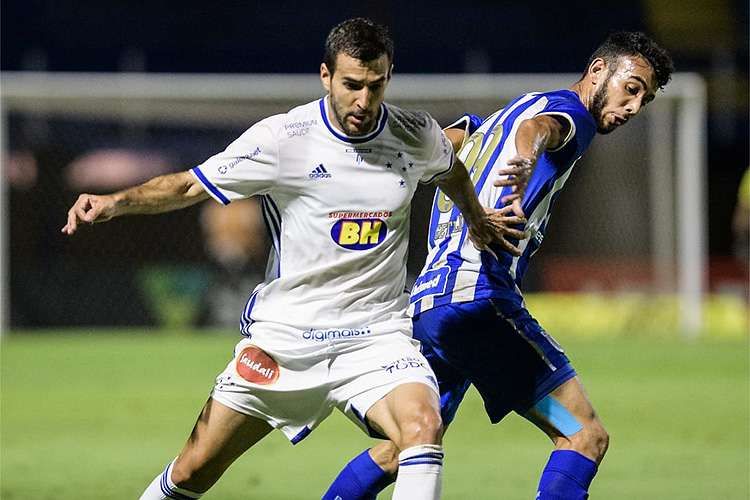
pixel 328 327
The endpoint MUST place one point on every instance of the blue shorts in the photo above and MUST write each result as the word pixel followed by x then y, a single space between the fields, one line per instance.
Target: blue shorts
pixel 495 345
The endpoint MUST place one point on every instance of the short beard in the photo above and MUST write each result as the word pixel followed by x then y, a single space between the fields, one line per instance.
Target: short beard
pixel 341 119
pixel 597 105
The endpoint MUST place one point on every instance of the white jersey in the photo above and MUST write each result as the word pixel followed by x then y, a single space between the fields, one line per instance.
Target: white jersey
pixel 337 209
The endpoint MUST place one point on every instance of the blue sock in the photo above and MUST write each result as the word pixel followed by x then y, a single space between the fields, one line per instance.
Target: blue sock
pixel 361 479
pixel 567 476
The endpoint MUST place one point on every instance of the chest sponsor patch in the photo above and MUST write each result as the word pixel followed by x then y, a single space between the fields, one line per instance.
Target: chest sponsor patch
pixel 255 366
pixel 359 234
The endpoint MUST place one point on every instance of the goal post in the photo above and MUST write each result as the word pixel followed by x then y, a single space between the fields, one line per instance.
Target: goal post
pixel 668 148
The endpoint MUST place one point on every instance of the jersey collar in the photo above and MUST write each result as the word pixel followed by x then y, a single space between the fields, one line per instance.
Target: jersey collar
pixel 358 139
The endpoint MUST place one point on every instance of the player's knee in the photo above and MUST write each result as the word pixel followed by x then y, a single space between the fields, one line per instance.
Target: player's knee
pixel 188 473
pixel 592 441
pixel 182 473
pixel 423 426
pixel 599 441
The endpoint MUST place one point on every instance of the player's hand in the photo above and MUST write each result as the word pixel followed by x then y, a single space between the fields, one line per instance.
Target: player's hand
pixel 516 174
pixel 497 227
pixel 89 208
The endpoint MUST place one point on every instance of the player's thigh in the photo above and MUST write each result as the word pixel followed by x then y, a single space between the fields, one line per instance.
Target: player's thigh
pixel 500 348
pixel 567 416
pixel 219 437
pixel 452 383
pixel 408 415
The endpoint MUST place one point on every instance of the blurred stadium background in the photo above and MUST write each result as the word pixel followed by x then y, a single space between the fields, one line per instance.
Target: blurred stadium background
pixel 110 340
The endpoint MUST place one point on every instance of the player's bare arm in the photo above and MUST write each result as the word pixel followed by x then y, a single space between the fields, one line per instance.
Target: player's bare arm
pixel 160 194
pixel 534 136
pixel 485 225
pixel 456 136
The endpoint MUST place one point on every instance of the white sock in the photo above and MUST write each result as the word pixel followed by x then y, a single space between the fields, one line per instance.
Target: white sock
pixel 162 488
pixel 420 471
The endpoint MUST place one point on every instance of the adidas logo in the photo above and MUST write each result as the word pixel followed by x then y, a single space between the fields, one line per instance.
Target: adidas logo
pixel 319 172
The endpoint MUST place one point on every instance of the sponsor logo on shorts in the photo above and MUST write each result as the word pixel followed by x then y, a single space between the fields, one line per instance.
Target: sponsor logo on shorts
pixel 255 366
pixel 405 363
pixel 359 234
pixel 335 334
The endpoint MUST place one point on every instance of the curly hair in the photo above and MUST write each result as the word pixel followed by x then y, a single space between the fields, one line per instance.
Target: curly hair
pixel 635 43
pixel 360 38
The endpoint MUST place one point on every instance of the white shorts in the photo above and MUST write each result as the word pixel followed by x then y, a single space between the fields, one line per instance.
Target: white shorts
pixel 294 393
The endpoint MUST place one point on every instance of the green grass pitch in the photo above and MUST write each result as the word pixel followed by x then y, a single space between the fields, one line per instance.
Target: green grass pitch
pixel 98 415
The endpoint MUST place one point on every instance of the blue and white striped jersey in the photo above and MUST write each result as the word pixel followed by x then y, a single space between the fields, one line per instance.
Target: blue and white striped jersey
pixel 455 271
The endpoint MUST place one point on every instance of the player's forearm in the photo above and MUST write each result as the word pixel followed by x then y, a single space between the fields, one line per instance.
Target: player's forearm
pixel 160 194
pixel 458 187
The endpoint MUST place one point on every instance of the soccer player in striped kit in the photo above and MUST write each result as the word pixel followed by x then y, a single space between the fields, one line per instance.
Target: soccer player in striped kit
pixel 328 327
pixel 466 305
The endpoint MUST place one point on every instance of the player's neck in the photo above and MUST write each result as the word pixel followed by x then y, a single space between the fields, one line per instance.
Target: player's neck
pixel 583 93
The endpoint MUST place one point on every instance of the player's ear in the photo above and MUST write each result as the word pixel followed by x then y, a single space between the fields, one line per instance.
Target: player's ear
pixel 390 72
pixel 597 69
pixel 325 77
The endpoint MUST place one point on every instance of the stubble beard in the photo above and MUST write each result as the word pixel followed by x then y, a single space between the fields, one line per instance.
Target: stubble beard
pixel 597 106
pixel 341 120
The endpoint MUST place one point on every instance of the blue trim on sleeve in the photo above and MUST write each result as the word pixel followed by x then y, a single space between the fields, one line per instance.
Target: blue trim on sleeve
pixel 210 187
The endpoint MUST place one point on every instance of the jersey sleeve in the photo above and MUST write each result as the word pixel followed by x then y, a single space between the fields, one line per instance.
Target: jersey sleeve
pixel 581 130
pixel 248 166
pixel 439 153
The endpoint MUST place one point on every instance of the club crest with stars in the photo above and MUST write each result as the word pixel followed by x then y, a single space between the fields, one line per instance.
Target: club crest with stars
pixel 401 164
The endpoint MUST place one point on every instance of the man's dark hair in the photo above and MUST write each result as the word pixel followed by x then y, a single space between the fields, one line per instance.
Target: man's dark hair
pixel 635 43
pixel 359 38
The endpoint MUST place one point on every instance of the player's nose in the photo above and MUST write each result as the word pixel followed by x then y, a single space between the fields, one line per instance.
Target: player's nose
pixel 633 107
pixel 364 98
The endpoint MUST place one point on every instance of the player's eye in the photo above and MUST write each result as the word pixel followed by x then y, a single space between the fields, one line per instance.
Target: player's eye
pixel 632 89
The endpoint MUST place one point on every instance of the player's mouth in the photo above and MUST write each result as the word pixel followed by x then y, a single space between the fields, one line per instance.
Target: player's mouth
pixel 618 120
pixel 358 121
pixel 359 118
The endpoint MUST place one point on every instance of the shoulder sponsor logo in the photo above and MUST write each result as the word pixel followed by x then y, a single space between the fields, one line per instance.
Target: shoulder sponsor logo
pixel 319 172
pixel 298 129
pixel 335 334
pixel 257 367
pixel 359 234
pixel 223 169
